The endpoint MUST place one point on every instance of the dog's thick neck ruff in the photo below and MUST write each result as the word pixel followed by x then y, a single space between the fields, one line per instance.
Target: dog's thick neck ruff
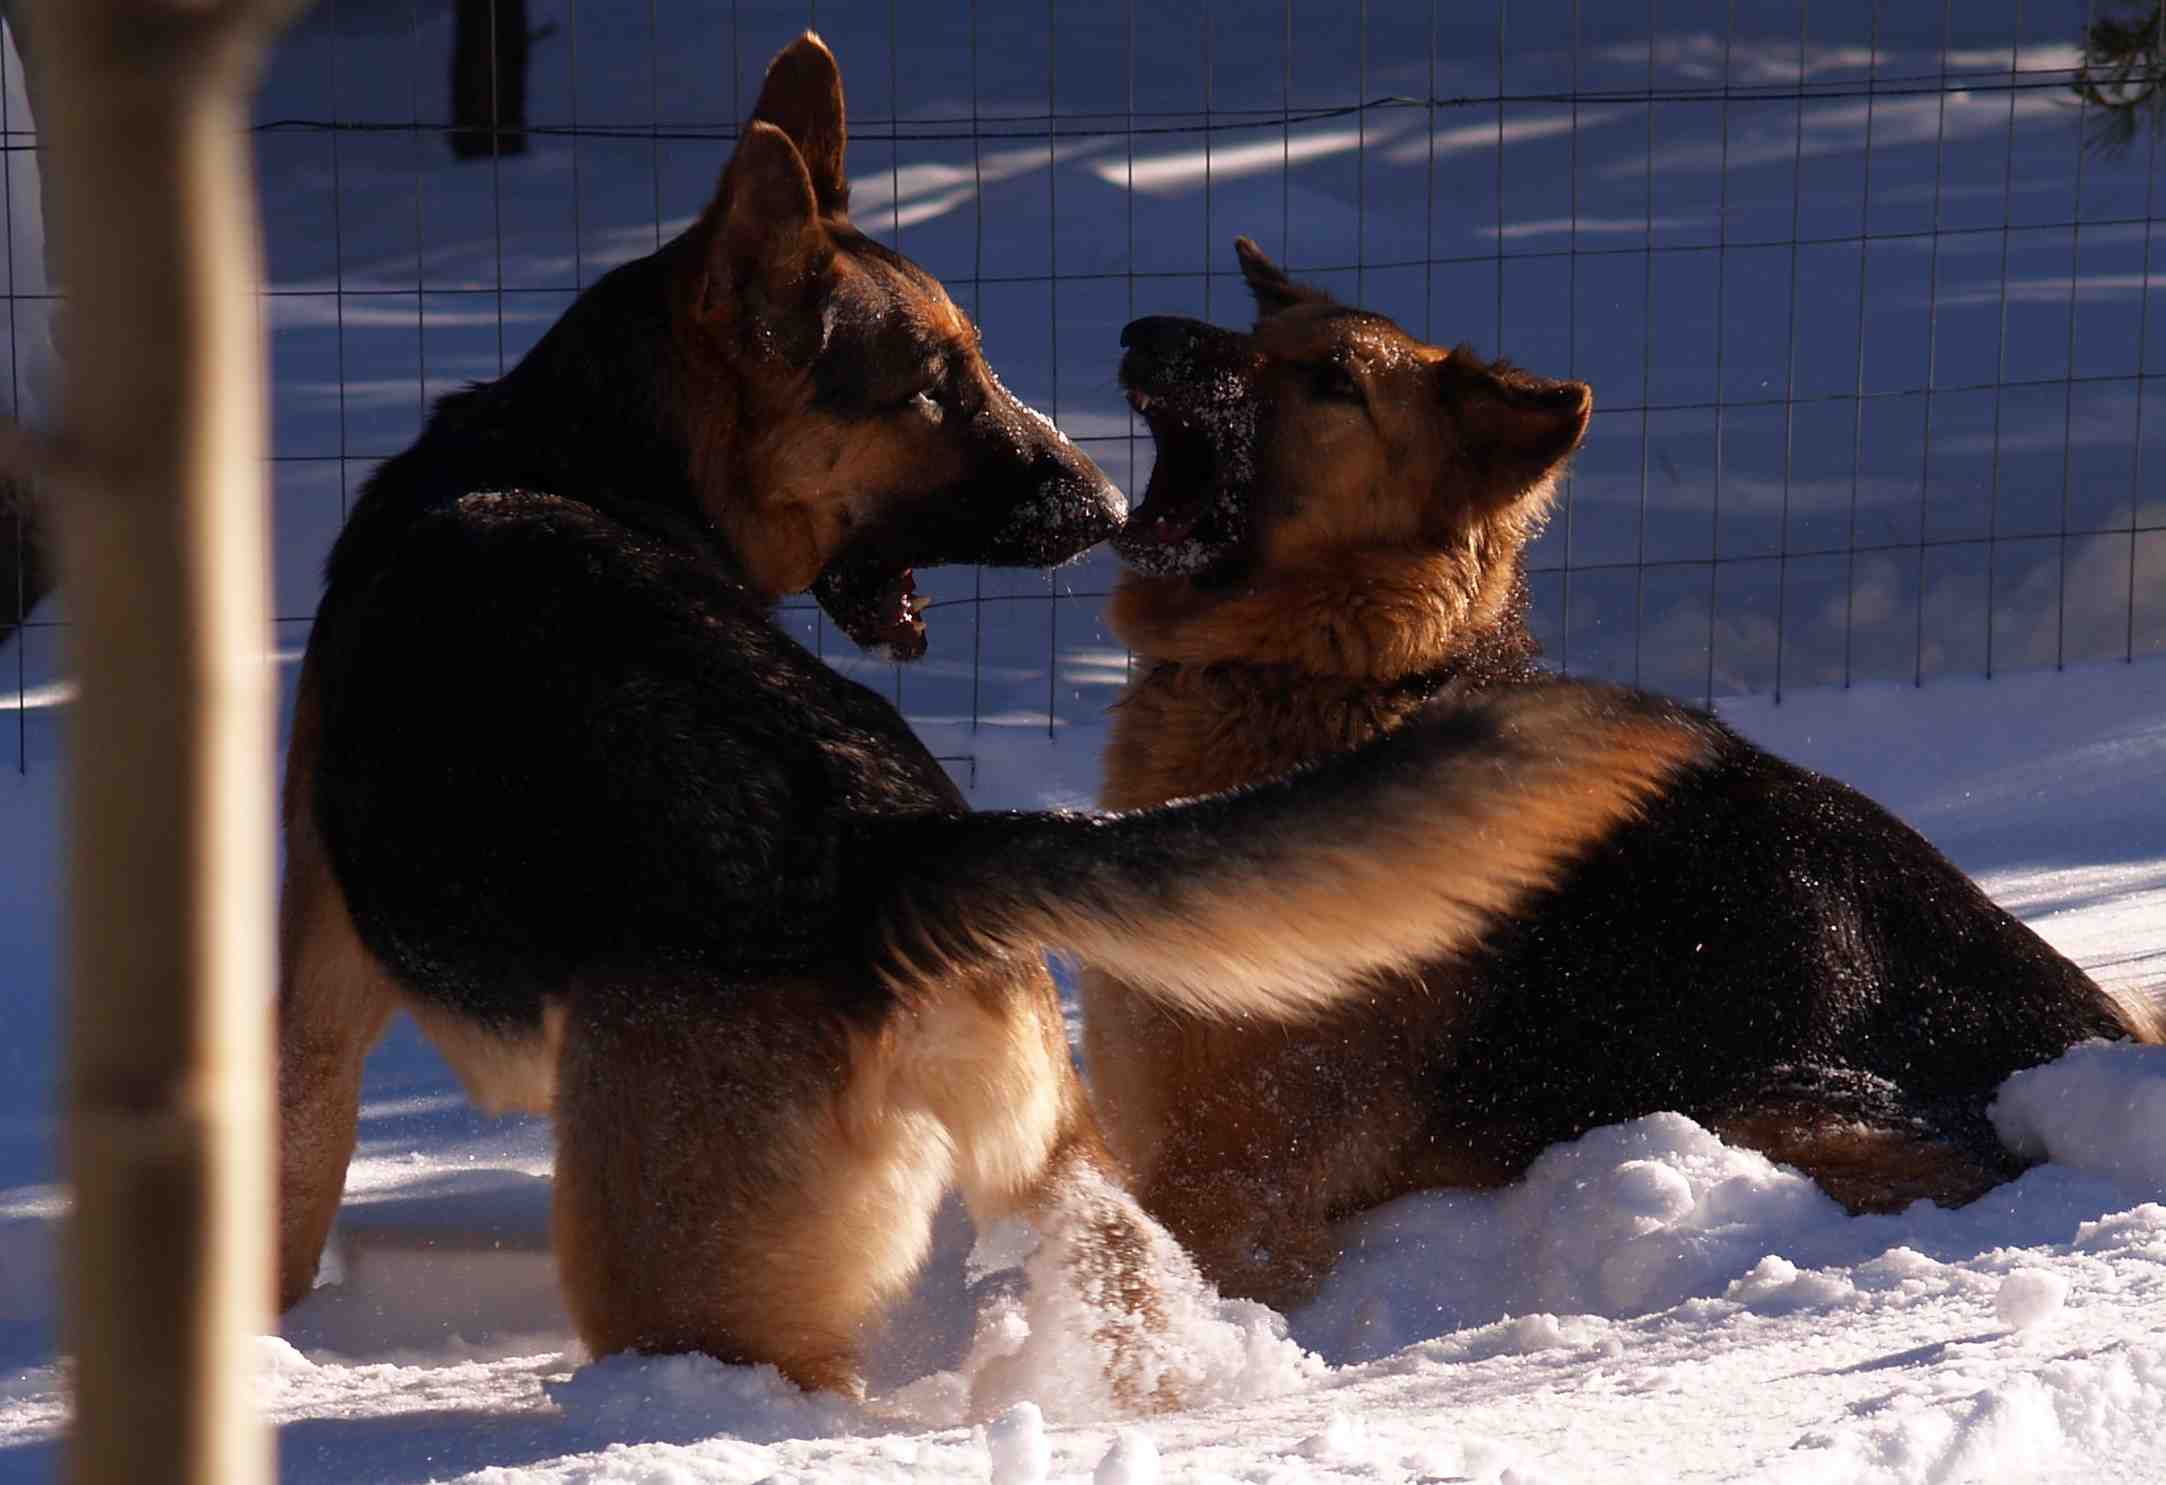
pixel 1246 680
pixel 1377 621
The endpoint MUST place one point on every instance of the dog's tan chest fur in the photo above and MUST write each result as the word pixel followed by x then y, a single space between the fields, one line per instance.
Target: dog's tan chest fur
pixel 1237 686
pixel 1183 730
pixel 1187 1103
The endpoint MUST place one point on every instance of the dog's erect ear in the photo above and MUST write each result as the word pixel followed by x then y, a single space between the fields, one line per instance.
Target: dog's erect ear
pixel 1274 291
pixel 764 240
pixel 1517 426
pixel 802 97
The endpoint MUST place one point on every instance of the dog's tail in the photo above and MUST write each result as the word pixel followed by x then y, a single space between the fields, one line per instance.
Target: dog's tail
pixel 2143 1010
pixel 1274 900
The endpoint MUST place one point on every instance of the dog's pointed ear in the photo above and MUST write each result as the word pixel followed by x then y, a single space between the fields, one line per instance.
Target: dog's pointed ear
pixel 1517 428
pixel 1274 291
pixel 763 240
pixel 802 97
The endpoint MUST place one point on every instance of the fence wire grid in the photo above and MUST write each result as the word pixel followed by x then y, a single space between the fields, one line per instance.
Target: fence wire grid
pixel 1864 288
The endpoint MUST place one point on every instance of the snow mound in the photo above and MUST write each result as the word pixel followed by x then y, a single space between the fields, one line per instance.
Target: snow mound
pixel 2100 1106
pixel 634 1398
pixel 1626 1220
pixel 2018 1427
pixel 1017 1448
pixel 1133 1460
pixel 1344 1440
pixel 2030 1297
pixel 1776 1287
pixel 278 1359
pixel 2140 1230
pixel 1639 1217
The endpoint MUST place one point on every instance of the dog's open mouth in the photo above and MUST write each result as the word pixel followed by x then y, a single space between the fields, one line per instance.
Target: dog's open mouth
pixel 1179 496
pixel 1029 514
pixel 1190 515
pixel 876 606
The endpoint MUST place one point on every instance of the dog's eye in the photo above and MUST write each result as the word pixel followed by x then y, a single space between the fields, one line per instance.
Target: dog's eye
pixel 913 401
pixel 926 386
pixel 1332 382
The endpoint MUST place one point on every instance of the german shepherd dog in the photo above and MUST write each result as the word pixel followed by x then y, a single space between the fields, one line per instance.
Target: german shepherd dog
pixel 1330 548
pixel 562 789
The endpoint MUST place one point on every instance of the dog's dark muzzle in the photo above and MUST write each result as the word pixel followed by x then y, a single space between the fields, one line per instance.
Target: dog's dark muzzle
pixel 1168 351
pixel 1035 499
pixel 1070 508
pixel 1164 336
pixel 1029 498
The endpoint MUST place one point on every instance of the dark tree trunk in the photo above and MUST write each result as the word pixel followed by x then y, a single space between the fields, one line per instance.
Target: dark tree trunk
pixel 488 79
pixel 26 573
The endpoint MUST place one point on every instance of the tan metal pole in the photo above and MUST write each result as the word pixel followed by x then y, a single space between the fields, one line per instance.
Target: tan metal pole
pixel 158 500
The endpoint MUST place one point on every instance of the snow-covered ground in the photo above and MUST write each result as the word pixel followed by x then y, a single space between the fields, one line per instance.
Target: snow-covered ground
pixel 1648 1305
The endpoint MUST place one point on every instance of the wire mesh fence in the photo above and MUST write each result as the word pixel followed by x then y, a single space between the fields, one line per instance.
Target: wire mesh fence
pixel 1864 289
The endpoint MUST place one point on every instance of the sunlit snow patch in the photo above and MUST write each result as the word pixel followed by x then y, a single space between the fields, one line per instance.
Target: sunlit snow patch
pixel 2100 1106
pixel 637 1398
pixel 1626 1220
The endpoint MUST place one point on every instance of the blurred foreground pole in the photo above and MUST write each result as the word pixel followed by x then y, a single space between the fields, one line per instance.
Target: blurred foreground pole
pixel 158 499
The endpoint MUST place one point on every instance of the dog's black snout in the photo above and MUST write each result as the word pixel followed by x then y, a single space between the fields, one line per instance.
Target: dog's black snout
pixel 1160 335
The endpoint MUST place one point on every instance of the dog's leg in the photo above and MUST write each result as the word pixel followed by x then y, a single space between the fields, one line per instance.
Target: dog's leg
pixel 1105 1255
pixel 333 1001
pixel 735 1176
pixel 1255 1236
pixel 992 1063
pixel 1870 1152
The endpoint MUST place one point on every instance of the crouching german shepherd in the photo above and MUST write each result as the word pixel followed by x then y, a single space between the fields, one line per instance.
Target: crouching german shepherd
pixel 561 788
pixel 1330 549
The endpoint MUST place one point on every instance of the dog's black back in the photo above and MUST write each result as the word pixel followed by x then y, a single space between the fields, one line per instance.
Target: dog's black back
pixel 1764 933
pixel 634 762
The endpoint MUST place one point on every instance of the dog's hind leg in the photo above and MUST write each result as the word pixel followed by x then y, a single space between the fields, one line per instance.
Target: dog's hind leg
pixel 333 1002
pixel 992 1062
pixel 1869 1150
pixel 735 1175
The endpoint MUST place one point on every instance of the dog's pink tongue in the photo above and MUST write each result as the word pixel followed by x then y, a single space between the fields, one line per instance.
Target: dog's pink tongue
pixel 1166 528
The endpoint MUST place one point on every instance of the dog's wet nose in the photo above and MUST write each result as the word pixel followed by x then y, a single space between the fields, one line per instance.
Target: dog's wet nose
pixel 1159 334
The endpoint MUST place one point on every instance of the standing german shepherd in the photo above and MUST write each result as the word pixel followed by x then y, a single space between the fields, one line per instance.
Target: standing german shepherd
pixel 1330 548
pixel 562 789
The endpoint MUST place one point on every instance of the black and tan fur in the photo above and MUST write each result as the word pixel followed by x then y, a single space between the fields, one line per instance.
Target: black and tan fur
pixel 1331 551
pixel 561 788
